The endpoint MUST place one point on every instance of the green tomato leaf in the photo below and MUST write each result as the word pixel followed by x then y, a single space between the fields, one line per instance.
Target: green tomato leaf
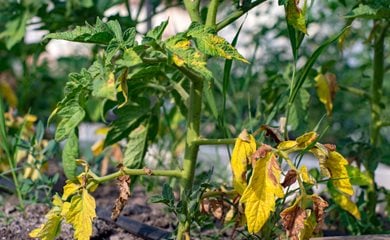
pixel 100 33
pixel 136 147
pixel 212 44
pixel 128 118
pixel 69 156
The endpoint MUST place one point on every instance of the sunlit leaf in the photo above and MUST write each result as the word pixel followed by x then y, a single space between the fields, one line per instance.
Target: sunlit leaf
pixel 287 145
pixel 263 189
pixel 100 33
pixel 212 44
pixel 243 149
pixel 80 215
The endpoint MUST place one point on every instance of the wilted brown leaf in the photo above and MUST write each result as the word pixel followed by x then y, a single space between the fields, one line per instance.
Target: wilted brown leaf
pixel 124 194
pixel 274 133
pixel 261 152
pixel 330 147
pixel 319 206
pixel 290 178
pixel 293 220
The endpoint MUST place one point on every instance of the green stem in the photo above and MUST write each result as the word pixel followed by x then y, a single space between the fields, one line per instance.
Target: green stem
pixel 377 85
pixel 192 7
pixel 225 141
pixel 135 172
pixel 376 97
pixel 355 91
pixel 191 149
pixel 212 13
pixel 237 14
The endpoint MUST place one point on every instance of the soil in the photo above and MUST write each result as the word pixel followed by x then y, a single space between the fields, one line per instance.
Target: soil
pixel 15 224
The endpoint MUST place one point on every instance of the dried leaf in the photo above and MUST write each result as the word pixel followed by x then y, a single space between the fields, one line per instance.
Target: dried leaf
pixel 259 196
pixel 243 149
pixel 261 152
pixel 124 194
pixel 310 225
pixel 319 206
pixel 290 178
pixel 274 133
pixel 293 220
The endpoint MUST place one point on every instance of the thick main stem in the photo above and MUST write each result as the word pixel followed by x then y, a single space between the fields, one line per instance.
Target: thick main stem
pixel 191 149
pixel 376 96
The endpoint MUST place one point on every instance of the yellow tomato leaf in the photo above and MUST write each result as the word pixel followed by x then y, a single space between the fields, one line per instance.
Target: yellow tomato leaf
pixel 80 215
pixel 52 227
pixel 326 89
pixel 97 148
pixel 8 93
pixel 259 196
pixel 345 203
pixel 243 149
pixel 70 188
pixel 287 145
pixel 305 176
pixel 321 153
pixel 336 164
pixel 306 139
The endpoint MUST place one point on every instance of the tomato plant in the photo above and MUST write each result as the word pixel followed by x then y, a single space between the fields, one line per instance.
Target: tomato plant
pixel 136 80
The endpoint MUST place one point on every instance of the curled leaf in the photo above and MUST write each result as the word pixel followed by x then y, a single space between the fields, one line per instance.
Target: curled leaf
pixel 319 206
pixel 326 89
pixel 287 145
pixel 124 193
pixel 290 178
pixel 293 220
pixel 305 176
pixel 306 139
pixel 243 149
